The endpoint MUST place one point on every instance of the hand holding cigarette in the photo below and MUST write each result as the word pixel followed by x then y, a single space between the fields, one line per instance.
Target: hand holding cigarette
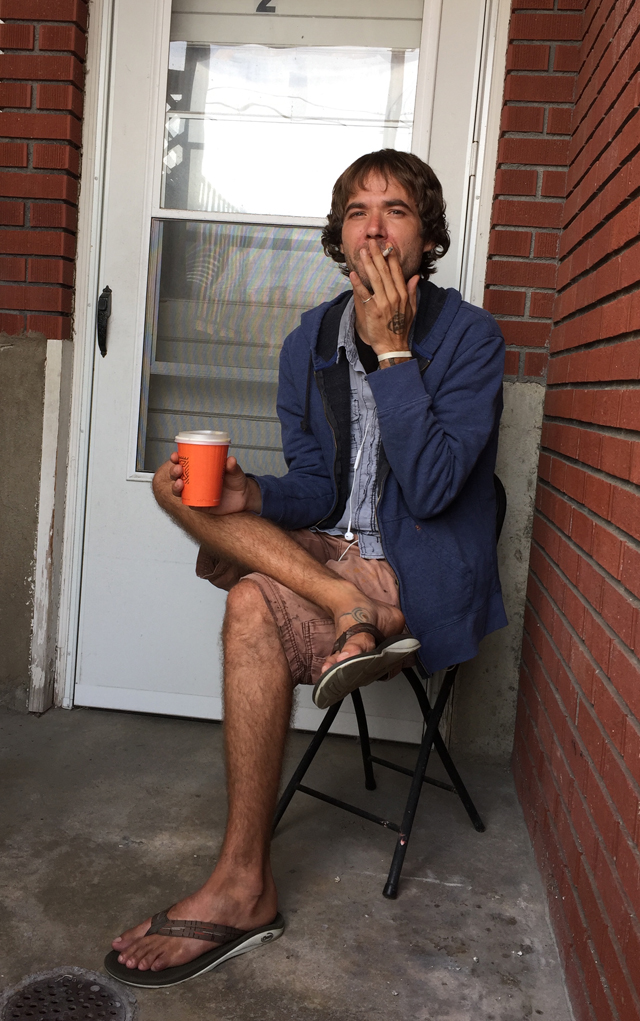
pixel 384 318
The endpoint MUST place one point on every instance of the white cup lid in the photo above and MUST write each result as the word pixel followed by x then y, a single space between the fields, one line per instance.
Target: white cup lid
pixel 203 436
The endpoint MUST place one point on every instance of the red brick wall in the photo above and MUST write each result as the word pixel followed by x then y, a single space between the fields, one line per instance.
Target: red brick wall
pixel 530 182
pixel 41 96
pixel 577 750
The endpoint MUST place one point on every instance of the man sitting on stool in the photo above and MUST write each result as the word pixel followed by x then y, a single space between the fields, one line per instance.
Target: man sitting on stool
pixel 380 539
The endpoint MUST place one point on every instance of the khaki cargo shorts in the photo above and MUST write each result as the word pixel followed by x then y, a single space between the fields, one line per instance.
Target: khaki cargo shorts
pixel 307 635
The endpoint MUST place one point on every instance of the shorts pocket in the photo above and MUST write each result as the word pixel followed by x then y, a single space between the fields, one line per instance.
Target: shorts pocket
pixel 319 638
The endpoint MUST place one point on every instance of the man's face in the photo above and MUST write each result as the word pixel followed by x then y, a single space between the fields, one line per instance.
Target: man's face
pixel 383 211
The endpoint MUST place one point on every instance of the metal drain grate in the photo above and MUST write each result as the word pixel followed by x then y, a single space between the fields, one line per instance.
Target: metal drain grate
pixel 68 994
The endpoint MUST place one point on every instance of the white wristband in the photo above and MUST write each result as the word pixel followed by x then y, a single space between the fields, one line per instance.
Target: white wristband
pixel 395 354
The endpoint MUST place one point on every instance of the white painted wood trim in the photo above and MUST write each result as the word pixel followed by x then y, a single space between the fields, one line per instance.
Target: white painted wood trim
pixel 94 130
pixel 427 71
pixel 490 113
pixel 55 434
pixel 272 220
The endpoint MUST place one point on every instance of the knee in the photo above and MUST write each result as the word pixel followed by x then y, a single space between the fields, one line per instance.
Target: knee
pixel 245 601
pixel 247 612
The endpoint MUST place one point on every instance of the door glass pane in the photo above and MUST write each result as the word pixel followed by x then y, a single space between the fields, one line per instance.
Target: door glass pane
pixel 221 299
pixel 265 111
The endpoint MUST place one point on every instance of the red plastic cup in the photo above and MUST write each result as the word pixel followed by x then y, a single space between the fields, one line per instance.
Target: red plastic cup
pixel 203 456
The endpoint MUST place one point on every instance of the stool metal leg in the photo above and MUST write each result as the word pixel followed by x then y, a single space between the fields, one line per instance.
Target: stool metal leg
pixel 443 752
pixel 305 762
pixel 456 780
pixel 361 717
pixel 391 887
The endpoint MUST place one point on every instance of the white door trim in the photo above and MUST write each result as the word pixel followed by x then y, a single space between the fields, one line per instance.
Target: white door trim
pixel 94 143
pixel 425 94
pixel 95 136
pixel 487 133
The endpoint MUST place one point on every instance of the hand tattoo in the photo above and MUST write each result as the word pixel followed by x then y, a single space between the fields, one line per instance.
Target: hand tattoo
pixel 396 325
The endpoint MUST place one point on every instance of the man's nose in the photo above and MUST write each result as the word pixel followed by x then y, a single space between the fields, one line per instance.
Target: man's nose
pixel 375 227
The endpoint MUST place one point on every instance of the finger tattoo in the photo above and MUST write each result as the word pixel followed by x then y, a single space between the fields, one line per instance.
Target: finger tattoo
pixel 396 324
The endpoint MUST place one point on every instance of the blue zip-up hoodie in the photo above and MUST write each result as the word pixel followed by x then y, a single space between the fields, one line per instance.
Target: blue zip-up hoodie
pixel 439 414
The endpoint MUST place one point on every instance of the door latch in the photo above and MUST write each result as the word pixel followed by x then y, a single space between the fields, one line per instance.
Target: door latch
pixel 104 311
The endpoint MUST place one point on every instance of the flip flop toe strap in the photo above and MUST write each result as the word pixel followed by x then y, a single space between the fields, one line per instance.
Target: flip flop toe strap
pixel 162 925
pixel 357 629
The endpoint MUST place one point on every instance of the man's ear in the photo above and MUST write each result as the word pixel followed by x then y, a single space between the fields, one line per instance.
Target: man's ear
pixel 429 246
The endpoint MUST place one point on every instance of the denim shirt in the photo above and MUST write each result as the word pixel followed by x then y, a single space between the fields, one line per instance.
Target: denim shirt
pixel 361 507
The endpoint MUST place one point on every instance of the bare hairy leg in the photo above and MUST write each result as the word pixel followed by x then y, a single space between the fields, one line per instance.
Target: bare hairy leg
pixel 270 550
pixel 258 693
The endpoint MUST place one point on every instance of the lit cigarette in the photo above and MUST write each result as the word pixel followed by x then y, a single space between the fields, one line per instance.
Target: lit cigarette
pixel 387 251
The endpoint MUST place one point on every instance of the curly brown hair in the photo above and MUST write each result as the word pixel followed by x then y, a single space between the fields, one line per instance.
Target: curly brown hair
pixel 419 181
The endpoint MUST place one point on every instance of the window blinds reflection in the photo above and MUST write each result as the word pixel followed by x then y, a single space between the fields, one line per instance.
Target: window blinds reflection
pixel 266 129
pixel 221 299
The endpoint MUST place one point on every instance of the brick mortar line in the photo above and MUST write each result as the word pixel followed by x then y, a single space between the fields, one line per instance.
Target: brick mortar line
pixel 589 133
pixel 569 946
pixel 506 227
pixel 32 171
pixel 609 685
pixel 38 81
pixel 605 384
pixel 540 104
pixel 37 52
pixel 630 838
pixel 549 876
pixel 7 226
pixel 601 224
pixel 544 73
pixel 604 574
pixel 578 739
pixel 530 260
pixel 32 283
pixel 35 312
pixel 608 299
pixel 593 516
pixel 625 484
pixel 559 168
pixel 599 155
pixel 4 139
pixel 605 430
pixel 614 64
pixel 540 320
pixel 45 111
pixel 560 847
pixel 521 289
pixel 535 136
pixel 40 201
pixel 546 199
pixel 545 42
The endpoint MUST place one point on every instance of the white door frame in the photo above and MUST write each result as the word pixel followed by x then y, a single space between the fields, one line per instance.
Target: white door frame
pixel 95 153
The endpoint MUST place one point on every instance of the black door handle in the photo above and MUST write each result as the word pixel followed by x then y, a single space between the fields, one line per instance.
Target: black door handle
pixel 104 311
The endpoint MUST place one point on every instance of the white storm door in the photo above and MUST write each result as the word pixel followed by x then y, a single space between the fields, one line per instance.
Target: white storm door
pixel 229 120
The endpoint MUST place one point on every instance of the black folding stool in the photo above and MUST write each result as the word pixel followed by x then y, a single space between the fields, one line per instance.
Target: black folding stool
pixel 432 716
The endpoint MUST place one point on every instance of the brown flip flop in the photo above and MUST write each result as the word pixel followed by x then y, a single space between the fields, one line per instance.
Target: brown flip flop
pixel 357 671
pixel 232 942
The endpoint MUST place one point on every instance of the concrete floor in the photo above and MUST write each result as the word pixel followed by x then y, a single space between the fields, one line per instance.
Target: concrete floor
pixel 107 817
